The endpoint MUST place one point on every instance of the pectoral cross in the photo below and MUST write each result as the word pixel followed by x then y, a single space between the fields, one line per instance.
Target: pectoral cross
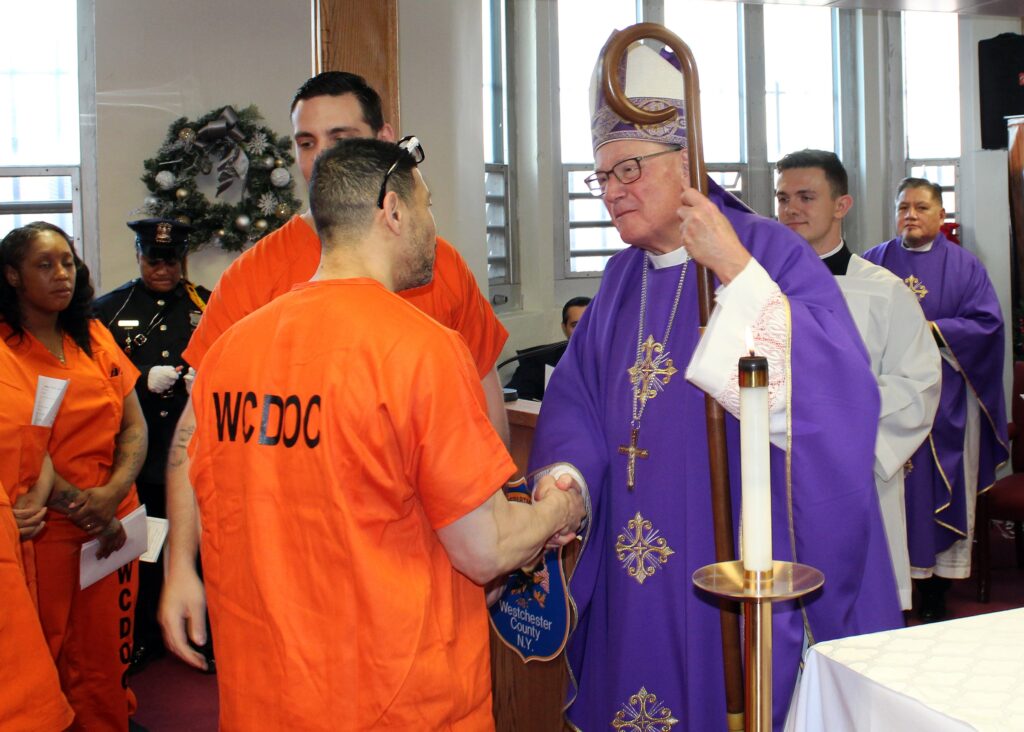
pixel 633 452
pixel 652 372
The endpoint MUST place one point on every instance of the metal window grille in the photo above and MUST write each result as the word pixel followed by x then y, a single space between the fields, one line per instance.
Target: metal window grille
pixel 42 193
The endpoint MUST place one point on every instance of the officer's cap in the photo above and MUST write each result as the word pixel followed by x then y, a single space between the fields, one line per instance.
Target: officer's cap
pixel 161 238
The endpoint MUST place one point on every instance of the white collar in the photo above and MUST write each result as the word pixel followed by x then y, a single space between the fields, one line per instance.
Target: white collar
pixel 669 259
pixel 918 250
pixel 826 255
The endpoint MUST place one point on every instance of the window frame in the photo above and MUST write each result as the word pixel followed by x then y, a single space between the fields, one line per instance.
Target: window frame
pixel 83 202
pixel 504 292
pixel 868 127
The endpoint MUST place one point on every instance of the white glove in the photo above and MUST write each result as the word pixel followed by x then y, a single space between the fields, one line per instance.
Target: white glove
pixel 161 378
pixel 189 377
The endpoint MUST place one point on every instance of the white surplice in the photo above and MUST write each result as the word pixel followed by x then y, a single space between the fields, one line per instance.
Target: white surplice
pixel 907 364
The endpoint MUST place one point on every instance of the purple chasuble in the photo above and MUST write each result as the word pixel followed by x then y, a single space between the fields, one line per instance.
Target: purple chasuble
pixel 959 300
pixel 651 650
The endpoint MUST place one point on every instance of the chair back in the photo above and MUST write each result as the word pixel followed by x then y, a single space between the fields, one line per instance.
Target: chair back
pixel 1017 419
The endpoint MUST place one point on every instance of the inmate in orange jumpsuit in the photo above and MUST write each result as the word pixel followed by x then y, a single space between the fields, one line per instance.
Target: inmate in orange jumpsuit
pixel 30 696
pixel 330 447
pixel 88 631
pixel 291 255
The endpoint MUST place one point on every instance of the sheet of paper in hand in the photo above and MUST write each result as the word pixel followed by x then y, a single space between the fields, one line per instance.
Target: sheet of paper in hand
pixel 532 614
pixel 49 394
pixel 92 570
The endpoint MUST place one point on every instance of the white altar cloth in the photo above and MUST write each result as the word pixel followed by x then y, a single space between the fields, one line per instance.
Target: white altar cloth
pixel 956 676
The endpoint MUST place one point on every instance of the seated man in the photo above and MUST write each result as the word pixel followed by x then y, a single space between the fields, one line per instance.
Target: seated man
pixel 528 379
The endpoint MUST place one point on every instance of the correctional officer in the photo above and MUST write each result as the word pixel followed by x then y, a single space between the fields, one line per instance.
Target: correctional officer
pixel 152 318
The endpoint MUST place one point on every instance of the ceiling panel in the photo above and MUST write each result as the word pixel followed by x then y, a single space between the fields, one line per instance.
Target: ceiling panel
pixel 1004 8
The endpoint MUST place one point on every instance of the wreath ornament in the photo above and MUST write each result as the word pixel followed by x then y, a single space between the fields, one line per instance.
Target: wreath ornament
pixel 235 154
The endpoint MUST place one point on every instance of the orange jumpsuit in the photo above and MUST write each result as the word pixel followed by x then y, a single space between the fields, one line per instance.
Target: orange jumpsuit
pixel 291 255
pixel 88 631
pixel 330 447
pixel 30 696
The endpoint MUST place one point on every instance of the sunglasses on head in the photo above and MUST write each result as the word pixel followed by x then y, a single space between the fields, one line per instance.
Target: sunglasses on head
pixel 409 145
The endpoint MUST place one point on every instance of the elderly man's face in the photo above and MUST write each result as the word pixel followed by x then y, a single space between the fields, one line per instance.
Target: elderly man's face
pixel 918 216
pixel 644 211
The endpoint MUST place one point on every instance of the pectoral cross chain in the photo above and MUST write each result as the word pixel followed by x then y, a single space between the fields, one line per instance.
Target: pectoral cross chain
pixel 632 452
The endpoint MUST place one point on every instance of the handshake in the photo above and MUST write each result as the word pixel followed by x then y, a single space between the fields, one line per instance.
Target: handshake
pixel 562 484
pixel 161 378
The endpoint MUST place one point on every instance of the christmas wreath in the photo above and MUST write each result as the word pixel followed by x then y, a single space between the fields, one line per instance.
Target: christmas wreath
pixel 231 152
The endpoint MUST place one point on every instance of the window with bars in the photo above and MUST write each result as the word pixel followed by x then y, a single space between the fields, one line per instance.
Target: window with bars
pixel 933 134
pixel 40 177
pixel 942 172
pixel 498 156
pixel 809 100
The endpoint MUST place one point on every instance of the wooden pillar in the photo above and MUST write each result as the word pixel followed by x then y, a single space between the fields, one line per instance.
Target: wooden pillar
pixel 361 37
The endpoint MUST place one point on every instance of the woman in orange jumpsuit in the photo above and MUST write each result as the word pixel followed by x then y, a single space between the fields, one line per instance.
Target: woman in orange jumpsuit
pixel 96 445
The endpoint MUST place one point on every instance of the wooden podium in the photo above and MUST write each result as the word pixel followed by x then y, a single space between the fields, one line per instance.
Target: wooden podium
pixel 527 696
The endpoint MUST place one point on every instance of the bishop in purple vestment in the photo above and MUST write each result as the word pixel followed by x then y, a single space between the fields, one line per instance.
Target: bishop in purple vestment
pixel 969 434
pixel 626 405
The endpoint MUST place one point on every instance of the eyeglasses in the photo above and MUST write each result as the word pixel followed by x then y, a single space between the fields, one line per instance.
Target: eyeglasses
pixel 625 171
pixel 411 146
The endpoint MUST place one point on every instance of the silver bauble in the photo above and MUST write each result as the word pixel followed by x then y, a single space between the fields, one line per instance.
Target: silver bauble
pixel 165 180
pixel 280 177
pixel 243 222
pixel 267 161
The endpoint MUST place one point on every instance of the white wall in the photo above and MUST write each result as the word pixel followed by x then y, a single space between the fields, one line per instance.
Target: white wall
pixel 157 61
pixel 441 102
pixel 984 180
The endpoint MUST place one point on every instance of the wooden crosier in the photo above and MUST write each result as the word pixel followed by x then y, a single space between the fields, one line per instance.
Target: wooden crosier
pixel 721 502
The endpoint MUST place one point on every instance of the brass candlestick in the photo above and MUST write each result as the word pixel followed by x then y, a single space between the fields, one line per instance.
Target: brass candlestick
pixel 757 591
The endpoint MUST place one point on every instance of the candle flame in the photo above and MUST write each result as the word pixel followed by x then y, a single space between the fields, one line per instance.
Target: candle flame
pixel 750 340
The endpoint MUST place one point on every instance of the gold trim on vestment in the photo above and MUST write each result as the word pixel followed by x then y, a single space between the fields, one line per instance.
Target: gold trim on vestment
pixel 945 478
pixel 974 391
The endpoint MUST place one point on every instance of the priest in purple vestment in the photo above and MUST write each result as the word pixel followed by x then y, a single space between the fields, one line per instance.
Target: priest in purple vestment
pixel 969 434
pixel 626 408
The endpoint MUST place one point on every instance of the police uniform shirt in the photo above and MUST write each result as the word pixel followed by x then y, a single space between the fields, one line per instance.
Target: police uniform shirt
pixel 153 328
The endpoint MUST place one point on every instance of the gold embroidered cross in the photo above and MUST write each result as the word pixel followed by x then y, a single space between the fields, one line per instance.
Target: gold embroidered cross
pixel 916 286
pixel 644 713
pixel 633 452
pixel 641 550
pixel 646 374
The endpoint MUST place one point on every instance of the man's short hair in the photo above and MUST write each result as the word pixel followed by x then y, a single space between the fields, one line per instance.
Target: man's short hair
pixel 575 302
pixel 338 83
pixel 935 188
pixel 346 182
pixel 829 162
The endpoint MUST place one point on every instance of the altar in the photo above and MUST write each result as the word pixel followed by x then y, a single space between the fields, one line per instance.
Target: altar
pixel 960 675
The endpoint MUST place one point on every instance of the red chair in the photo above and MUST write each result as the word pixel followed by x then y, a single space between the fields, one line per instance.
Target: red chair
pixel 1004 501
